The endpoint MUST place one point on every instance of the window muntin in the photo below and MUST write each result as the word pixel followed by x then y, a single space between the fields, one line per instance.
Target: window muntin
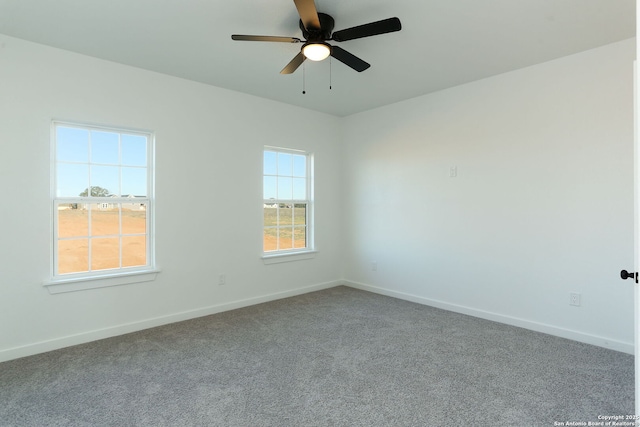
pixel 287 202
pixel 102 201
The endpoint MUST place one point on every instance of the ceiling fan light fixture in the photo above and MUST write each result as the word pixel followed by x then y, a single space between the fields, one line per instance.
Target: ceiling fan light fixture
pixel 316 51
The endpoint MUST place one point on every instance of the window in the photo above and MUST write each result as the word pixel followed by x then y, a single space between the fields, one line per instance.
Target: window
pixel 287 204
pixel 102 187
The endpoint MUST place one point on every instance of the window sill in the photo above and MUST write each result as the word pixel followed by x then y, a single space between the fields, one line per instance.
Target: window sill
pixel 287 257
pixel 59 286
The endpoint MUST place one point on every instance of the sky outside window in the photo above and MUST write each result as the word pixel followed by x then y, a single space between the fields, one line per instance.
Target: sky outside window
pixel 111 160
pixel 285 176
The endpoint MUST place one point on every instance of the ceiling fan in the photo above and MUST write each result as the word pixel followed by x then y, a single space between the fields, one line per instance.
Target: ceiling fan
pixel 317 29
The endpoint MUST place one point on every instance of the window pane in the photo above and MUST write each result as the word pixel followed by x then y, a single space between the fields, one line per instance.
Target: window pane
pixel 134 218
pixel 299 188
pixel 73 221
pixel 270 187
pixel 300 214
pixel 285 164
pixel 71 179
pixel 105 219
pixel 285 240
pixel 300 237
pixel 285 214
pixel 269 166
pixel 134 150
pixel 270 239
pixel 134 182
pixel 285 188
pixel 105 253
pixel 105 180
pixel 72 145
pixel 105 147
pixel 270 216
pixel 73 256
pixel 134 251
pixel 299 165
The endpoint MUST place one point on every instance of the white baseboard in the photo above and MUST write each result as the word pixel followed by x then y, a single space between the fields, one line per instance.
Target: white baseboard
pixel 85 337
pixel 509 320
pixel 67 341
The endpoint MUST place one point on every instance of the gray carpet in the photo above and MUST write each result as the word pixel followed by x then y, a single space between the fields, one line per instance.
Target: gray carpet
pixel 339 357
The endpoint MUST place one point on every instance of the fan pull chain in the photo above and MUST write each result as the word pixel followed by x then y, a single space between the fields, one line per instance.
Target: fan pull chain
pixel 330 73
pixel 303 79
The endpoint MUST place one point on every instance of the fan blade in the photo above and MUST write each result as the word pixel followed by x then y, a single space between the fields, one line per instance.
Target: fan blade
pixel 294 64
pixel 372 29
pixel 308 14
pixel 242 37
pixel 349 59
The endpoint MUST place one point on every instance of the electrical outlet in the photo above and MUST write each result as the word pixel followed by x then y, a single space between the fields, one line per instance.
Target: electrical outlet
pixel 574 299
pixel 453 171
pixel 222 280
pixel 374 266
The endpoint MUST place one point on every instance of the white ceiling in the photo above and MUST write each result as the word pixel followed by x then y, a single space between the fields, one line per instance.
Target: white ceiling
pixel 443 43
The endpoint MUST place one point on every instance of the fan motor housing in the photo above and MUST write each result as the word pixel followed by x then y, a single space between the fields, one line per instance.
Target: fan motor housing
pixel 324 33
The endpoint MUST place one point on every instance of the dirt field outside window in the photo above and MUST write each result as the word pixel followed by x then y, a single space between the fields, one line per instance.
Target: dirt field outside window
pixel 104 241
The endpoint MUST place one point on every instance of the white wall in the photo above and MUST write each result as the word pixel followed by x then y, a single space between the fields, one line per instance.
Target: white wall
pixel 209 145
pixel 542 204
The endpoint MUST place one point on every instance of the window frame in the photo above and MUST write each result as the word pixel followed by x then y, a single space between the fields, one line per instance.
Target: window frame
pixel 283 255
pixel 64 282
